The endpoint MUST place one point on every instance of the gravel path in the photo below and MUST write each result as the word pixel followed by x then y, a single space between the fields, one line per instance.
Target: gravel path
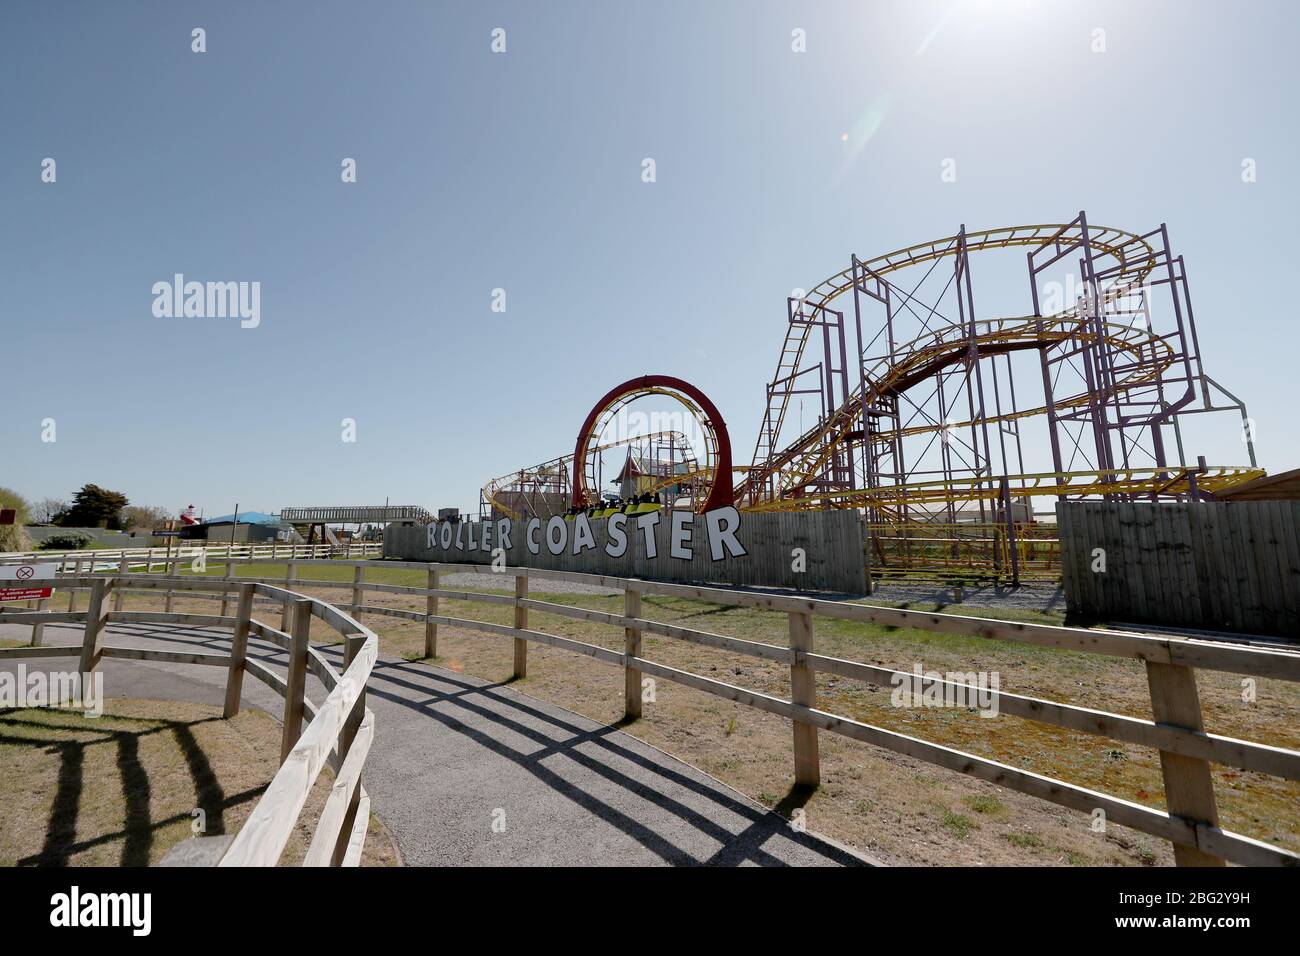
pixel 1037 597
pixel 1034 597
pixel 464 772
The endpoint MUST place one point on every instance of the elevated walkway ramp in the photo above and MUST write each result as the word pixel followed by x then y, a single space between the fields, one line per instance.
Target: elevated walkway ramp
pixel 355 514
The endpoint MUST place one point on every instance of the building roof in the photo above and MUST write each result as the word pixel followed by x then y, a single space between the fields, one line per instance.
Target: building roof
pixel 635 466
pixel 1280 487
pixel 246 517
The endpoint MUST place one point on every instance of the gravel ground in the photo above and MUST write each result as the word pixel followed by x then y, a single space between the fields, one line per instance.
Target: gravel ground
pixel 1034 597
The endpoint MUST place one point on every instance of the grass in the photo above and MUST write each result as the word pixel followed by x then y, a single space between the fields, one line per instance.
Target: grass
pixel 985 803
pixel 751 750
pixel 123 788
pixel 959 824
pixel 1028 841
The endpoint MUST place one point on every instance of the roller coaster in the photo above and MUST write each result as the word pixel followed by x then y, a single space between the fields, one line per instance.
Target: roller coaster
pixel 927 426
pixel 547 489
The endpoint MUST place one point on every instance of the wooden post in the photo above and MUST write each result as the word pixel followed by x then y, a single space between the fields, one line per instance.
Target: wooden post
pixel 38 630
pixel 229 575
pixel 173 569
pixel 297 685
pixel 94 625
pixel 803 691
pixel 1189 788
pixel 72 594
pixel 431 607
pixel 521 623
pixel 290 572
pixel 632 648
pixel 122 568
pixel 352 645
pixel 358 592
pixel 239 649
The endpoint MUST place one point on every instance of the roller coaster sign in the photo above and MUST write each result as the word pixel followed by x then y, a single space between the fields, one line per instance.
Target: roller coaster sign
pixel 576 535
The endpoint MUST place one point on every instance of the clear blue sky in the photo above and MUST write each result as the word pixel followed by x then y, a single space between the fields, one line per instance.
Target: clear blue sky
pixel 522 171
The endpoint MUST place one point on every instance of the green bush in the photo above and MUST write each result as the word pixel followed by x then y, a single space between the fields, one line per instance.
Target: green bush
pixel 67 541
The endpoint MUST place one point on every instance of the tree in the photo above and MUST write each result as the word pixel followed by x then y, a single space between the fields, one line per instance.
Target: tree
pixel 47 510
pixel 94 507
pixel 144 517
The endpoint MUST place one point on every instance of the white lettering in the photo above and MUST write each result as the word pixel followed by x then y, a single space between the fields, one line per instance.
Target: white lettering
pixel 722 524
pixel 617 528
pixel 680 535
pixel 646 523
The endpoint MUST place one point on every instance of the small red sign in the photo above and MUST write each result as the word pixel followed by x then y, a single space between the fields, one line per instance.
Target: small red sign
pixel 24 594
pixel 26 572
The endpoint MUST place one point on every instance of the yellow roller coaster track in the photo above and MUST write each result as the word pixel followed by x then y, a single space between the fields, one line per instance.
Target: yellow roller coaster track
pixel 949 345
pixel 798 462
pixel 1134 258
pixel 1171 480
pixel 558 468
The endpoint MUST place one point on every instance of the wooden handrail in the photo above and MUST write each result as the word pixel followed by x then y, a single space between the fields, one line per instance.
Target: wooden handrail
pixel 1186 750
pixel 213 552
pixel 1159 649
pixel 338 731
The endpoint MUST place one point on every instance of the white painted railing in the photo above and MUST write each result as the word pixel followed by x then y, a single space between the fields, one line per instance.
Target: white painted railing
pixel 217 553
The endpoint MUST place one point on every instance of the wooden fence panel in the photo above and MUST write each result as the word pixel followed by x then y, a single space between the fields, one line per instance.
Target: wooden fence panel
pixel 834 557
pixel 1210 565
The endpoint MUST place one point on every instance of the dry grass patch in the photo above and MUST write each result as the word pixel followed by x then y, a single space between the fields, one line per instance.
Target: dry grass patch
pixel 121 789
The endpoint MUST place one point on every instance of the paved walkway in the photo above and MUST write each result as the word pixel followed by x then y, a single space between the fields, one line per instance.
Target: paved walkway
pixel 464 772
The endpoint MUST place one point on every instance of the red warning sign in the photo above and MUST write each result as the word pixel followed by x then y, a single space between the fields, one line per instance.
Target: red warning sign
pixel 18 573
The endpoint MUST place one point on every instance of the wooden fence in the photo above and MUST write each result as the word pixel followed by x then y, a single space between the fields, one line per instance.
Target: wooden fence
pixel 1213 565
pixel 339 731
pixel 1186 750
pixel 210 552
